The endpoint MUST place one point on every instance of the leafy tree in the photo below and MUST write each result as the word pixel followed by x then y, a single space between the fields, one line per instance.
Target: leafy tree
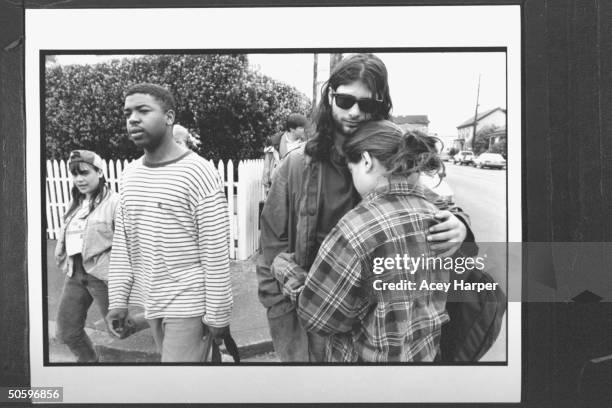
pixel 230 106
pixel 500 147
pixel 481 141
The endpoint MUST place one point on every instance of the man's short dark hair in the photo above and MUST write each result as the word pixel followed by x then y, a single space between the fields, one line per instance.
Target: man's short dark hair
pixel 161 94
pixel 296 120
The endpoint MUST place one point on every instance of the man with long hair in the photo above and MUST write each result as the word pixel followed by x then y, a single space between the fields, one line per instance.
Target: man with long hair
pixel 313 189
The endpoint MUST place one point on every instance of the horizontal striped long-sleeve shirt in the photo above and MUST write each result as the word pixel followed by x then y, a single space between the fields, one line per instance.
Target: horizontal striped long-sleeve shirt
pixel 170 251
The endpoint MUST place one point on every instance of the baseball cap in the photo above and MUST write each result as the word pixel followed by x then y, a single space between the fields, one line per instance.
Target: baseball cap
pixel 86 156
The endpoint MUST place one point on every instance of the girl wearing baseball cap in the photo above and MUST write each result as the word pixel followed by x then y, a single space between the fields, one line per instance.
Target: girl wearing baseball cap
pixel 83 251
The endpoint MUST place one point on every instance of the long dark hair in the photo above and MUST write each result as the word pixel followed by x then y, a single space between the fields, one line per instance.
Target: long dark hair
pixel 400 153
pixel 366 68
pixel 77 197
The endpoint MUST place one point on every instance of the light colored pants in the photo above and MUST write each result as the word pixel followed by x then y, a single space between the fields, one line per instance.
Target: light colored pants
pixel 179 339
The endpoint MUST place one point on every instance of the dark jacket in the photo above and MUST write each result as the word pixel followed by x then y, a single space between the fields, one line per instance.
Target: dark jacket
pixel 296 185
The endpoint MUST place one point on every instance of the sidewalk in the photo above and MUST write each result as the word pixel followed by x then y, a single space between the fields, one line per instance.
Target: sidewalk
pixel 249 325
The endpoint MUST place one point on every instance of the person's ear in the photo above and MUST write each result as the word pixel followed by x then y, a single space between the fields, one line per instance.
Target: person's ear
pixel 367 161
pixel 330 96
pixel 170 117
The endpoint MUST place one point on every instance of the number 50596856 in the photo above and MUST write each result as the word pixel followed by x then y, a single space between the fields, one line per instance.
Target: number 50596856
pixel 48 394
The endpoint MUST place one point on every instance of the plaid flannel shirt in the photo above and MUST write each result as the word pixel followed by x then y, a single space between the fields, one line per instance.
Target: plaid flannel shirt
pixel 336 298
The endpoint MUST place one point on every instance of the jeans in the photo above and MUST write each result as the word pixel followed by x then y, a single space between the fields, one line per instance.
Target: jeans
pixel 179 339
pixel 80 290
pixel 291 342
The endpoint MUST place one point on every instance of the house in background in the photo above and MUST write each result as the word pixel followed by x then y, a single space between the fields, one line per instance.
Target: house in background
pixel 412 122
pixel 498 135
pixel 465 131
pixel 448 142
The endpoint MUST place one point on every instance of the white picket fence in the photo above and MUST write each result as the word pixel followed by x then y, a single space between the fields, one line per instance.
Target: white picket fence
pixel 243 197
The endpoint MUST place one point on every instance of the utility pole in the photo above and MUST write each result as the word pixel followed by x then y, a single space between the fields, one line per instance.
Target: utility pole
pixel 476 113
pixel 315 70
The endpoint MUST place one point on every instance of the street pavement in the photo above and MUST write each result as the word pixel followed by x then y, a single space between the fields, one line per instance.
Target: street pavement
pixel 482 194
pixel 249 324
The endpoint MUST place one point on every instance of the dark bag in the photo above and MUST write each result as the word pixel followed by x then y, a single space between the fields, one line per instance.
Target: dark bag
pixel 475 319
pixel 213 353
pixel 231 347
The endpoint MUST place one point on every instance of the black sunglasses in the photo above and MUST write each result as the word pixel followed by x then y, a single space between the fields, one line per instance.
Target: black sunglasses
pixel 366 105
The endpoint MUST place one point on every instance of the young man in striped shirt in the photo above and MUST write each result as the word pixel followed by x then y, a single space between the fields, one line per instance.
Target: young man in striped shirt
pixel 170 251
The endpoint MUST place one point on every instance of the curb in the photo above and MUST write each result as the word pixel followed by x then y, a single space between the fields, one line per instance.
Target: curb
pixel 254 349
pixel 245 351
pixel 114 350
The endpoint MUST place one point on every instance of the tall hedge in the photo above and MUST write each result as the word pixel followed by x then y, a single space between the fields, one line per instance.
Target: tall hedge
pixel 230 106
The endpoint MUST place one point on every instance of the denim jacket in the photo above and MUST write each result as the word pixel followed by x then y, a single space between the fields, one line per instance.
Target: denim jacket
pixel 289 224
pixel 97 239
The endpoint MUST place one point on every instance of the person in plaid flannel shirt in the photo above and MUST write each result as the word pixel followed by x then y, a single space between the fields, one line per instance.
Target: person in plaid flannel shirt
pixel 344 297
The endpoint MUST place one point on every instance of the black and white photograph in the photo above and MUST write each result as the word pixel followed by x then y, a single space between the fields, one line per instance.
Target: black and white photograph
pixel 286 202
pixel 238 207
pixel 245 114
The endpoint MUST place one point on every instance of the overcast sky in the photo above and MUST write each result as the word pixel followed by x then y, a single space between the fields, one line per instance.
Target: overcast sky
pixel 440 85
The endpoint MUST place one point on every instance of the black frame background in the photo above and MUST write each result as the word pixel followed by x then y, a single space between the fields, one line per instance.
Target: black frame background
pixel 567 176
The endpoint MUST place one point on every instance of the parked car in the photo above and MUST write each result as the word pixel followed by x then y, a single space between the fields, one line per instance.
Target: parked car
pixel 491 160
pixel 445 156
pixel 438 185
pixel 463 157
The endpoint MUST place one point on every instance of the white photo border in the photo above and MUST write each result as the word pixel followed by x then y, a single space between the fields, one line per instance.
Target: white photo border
pixel 257 28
